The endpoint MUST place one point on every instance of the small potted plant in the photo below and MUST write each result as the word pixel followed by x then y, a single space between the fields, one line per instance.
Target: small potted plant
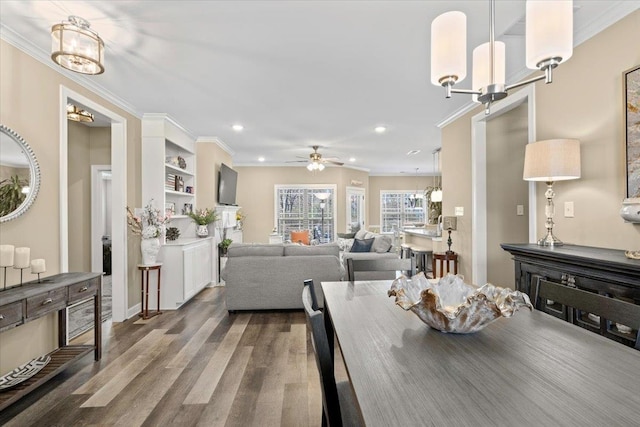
pixel 203 217
pixel 224 245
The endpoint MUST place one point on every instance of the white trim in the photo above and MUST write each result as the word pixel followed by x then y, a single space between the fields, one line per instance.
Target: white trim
pixel 118 197
pixel 479 177
pixel 218 142
pixel 134 311
pixel 97 217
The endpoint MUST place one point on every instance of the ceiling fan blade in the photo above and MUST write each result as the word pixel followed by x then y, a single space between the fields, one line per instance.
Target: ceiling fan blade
pixel 297 161
pixel 333 161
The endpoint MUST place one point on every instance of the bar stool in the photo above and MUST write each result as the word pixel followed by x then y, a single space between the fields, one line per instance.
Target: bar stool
pixel 421 256
pixel 405 251
pixel 444 259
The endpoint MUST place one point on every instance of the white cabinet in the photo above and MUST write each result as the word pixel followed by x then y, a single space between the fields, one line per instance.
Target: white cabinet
pixel 168 156
pixel 187 267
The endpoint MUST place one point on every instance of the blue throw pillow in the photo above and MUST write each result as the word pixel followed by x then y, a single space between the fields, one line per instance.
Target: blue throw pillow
pixel 362 245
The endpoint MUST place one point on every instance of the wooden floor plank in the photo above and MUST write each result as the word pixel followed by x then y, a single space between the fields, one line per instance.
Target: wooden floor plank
pixel 249 368
pixel 203 389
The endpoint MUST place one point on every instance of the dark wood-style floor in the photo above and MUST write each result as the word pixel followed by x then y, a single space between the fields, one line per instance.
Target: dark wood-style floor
pixel 194 366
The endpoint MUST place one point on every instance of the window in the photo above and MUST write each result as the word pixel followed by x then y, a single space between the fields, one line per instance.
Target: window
pixel 299 208
pixel 399 208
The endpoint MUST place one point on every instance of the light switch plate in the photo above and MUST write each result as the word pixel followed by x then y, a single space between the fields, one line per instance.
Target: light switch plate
pixel 568 209
pixel 459 211
pixel 520 210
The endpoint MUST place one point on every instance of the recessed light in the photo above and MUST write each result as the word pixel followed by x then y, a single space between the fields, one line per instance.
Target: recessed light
pixel 237 127
pixel 412 152
pixel 380 129
pixel 261 159
pixel 352 159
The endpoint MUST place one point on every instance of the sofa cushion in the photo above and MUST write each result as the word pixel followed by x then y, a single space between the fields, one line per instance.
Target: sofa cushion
pixel 255 249
pixel 381 243
pixel 328 249
pixel 363 245
pixel 361 234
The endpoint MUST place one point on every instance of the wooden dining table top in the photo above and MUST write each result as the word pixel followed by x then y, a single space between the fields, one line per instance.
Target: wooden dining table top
pixel 530 369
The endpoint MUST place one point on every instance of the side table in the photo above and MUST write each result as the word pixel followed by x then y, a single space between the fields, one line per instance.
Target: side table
pixel 144 289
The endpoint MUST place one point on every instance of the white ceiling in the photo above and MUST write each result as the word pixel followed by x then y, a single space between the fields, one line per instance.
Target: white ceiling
pixel 294 73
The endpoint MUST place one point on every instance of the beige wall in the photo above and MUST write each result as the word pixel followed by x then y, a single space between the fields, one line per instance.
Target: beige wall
pixel 256 194
pixel 507 136
pixel 584 102
pixel 31 89
pixel 209 157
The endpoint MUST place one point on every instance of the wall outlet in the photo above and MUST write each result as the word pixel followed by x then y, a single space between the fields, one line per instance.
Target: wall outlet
pixel 520 210
pixel 568 209
pixel 459 211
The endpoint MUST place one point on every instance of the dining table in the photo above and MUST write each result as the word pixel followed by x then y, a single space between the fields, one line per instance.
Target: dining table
pixel 529 369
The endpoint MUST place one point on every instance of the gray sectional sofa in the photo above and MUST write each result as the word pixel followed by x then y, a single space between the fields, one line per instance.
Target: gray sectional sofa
pixel 380 249
pixel 270 276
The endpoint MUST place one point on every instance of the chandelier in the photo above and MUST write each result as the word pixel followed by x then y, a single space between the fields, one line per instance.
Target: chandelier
pixel 76 47
pixel 549 41
pixel 77 114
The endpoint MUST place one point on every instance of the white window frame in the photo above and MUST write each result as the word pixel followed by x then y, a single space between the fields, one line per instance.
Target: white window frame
pixel 332 220
pixel 403 210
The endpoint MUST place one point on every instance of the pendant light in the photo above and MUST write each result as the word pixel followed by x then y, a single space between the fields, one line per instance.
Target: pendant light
pixel 436 194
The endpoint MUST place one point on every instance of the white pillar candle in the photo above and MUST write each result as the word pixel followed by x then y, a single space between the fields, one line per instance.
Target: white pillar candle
pixel 37 266
pixel 6 255
pixel 22 258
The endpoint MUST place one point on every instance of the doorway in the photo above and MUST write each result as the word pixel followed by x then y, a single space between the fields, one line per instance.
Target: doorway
pixel 118 125
pixel 479 244
pixel 355 209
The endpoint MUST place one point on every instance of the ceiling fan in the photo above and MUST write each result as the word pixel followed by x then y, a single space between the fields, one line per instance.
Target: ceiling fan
pixel 316 161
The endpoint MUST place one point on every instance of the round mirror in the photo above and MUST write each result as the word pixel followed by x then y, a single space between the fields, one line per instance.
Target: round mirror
pixel 19 175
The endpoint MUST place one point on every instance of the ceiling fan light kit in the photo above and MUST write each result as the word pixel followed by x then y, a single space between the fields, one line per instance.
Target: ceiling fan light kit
pixel 549 42
pixel 76 47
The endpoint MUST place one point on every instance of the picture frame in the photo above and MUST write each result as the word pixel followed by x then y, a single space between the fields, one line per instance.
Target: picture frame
pixel 631 79
pixel 169 208
pixel 187 209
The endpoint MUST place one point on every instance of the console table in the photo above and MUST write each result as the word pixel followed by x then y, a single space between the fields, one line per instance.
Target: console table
pixel 22 304
pixel 605 271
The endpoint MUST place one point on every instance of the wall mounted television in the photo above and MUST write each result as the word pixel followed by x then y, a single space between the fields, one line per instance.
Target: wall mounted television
pixel 227 183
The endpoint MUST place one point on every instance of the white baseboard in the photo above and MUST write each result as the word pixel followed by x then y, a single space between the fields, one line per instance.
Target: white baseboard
pixel 133 311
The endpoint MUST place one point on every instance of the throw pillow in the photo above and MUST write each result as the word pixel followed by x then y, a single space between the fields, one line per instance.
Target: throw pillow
pixel 363 245
pixel 300 237
pixel 381 244
pixel 361 234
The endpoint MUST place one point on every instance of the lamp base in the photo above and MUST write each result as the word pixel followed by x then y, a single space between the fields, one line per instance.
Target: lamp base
pixel 550 240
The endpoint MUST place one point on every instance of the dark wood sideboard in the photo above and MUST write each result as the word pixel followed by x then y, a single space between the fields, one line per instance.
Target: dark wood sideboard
pixel 22 304
pixel 605 271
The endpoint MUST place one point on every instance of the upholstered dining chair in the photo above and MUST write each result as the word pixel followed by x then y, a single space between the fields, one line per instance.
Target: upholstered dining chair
pixel 404 265
pixel 611 309
pixel 339 407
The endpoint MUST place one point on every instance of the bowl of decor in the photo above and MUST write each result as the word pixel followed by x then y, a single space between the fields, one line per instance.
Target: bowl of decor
pixel 451 305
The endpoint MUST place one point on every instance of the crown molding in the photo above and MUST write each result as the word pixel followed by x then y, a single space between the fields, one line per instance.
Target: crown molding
pixel 218 142
pixel 26 46
pixel 167 117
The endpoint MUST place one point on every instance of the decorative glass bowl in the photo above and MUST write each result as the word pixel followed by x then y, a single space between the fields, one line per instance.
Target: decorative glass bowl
pixel 451 305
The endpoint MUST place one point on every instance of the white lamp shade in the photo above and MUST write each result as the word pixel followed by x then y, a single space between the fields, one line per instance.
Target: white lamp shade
pixel 436 196
pixel 549 31
pixel 481 76
pixel 449 47
pixel 552 160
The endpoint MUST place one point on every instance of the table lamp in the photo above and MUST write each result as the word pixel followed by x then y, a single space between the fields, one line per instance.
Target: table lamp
pixel 551 160
pixel 449 223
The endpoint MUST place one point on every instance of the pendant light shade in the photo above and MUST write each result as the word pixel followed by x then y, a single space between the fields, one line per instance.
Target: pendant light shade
pixel 77 114
pixel 549 32
pixel 481 76
pixel 449 47
pixel 76 47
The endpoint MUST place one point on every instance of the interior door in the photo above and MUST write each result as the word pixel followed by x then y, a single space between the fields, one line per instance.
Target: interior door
pixel 355 209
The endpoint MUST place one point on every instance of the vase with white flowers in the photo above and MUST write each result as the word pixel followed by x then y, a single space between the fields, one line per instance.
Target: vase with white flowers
pixel 203 217
pixel 150 224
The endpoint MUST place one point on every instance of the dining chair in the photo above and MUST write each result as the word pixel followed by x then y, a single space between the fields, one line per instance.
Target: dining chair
pixel 314 299
pixel 339 407
pixel 611 309
pixel 405 265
